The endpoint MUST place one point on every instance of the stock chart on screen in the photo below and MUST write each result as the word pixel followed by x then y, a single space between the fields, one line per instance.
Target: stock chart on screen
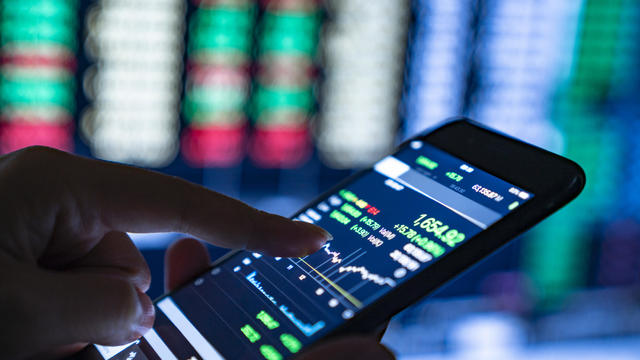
pixel 388 224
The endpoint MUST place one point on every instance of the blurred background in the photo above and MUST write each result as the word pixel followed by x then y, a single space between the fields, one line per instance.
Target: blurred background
pixel 273 101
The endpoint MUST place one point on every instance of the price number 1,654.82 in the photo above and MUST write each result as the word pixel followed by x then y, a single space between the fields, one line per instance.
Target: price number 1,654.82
pixel 441 231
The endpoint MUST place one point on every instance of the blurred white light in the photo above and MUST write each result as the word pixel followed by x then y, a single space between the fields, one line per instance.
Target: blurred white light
pixel 491 336
pixel 364 56
pixel 438 64
pixel 519 62
pixel 135 84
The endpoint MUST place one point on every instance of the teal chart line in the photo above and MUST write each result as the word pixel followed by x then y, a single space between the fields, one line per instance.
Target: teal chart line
pixel 307 329
pixel 258 285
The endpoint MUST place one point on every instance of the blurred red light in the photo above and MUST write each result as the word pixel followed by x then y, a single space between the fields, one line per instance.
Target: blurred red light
pixel 17 135
pixel 280 146
pixel 214 145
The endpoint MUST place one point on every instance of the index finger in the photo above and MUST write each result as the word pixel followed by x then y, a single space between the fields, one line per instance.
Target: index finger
pixel 124 198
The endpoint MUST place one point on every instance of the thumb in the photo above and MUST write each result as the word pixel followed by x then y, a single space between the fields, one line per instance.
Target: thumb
pixel 62 308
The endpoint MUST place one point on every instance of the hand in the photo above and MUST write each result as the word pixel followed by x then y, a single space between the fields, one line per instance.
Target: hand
pixel 187 258
pixel 70 275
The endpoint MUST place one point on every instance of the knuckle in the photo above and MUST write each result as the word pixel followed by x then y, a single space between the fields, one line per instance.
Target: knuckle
pixel 32 159
pixel 124 303
pixel 114 315
pixel 36 153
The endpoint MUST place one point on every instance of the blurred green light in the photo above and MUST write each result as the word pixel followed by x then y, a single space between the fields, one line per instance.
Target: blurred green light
pixel 200 102
pixel 37 32
pixel 269 99
pixel 215 40
pixel 221 17
pixel 288 21
pixel 288 42
pixel 37 92
pixel 59 11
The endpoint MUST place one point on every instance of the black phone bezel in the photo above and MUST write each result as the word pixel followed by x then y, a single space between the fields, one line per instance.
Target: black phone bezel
pixel 553 179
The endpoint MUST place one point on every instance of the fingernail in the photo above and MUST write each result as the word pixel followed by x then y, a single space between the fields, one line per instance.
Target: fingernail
pixel 146 317
pixel 318 230
pixel 327 234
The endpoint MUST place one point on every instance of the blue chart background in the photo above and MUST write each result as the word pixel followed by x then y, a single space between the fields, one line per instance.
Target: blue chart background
pixel 397 207
pixel 310 296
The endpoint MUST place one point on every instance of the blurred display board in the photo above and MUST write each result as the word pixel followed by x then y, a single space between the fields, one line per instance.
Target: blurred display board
pixel 602 74
pixel 364 60
pixel 283 96
pixel 273 101
pixel 134 81
pixel 439 54
pixel 38 45
pixel 564 76
pixel 218 81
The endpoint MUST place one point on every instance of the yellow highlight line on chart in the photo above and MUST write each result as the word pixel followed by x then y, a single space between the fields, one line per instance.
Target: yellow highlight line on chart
pixel 342 291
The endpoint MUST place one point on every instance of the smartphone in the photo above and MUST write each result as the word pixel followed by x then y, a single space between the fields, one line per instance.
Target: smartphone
pixel 445 200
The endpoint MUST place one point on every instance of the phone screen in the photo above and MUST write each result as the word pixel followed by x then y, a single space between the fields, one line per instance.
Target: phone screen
pixel 390 223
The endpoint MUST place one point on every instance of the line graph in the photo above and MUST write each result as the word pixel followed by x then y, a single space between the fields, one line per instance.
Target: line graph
pixel 327 258
pixel 330 266
pixel 258 285
pixel 335 255
pixel 342 291
pixel 368 276
pixel 307 329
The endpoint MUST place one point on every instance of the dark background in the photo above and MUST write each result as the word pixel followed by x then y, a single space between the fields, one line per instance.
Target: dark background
pixel 560 74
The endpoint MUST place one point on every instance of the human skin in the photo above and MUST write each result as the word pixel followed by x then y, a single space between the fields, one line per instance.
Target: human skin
pixel 69 273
